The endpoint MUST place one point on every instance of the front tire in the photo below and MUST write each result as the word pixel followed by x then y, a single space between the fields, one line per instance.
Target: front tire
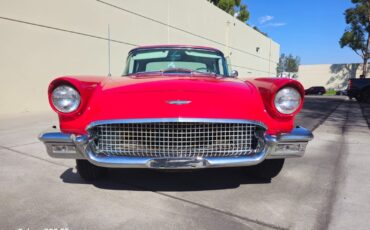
pixel 88 171
pixel 268 169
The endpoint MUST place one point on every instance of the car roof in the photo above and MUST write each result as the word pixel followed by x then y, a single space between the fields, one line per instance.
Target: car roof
pixel 177 46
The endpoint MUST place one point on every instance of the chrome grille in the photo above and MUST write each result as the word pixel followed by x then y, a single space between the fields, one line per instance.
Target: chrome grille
pixel 176 139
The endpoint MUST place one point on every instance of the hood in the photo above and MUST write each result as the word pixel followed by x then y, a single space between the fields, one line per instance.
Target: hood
pixel 156 97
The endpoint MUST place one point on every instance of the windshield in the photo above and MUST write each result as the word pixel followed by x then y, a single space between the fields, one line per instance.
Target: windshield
pixel 176 60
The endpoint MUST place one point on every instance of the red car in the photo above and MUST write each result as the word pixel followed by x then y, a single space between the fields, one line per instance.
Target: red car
pixel 176 107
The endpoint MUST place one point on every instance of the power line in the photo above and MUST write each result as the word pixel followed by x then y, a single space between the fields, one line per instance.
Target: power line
pixel 68 31
pixel 97 37
pixel 179 29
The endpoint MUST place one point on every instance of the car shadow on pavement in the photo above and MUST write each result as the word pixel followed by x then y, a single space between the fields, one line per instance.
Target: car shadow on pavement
pixel 155 180
pixel 315 112
pixel 365 108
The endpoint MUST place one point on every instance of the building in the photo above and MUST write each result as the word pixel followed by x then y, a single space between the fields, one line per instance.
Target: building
pixel 43 39
pixel 330 76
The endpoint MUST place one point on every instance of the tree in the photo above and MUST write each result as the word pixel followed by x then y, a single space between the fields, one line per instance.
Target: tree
pixel 287 64
pixel 292 64
pixel 280 69
pixel 237 9
pixel 243 13
pixel 356 35
pixel 258 30
pixel 234 8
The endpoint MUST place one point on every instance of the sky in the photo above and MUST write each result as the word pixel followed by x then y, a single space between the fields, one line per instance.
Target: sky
pixel 309 29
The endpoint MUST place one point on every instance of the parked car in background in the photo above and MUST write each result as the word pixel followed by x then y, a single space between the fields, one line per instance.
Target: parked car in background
pixel 315 90
pixel 176 107
pixel 359 89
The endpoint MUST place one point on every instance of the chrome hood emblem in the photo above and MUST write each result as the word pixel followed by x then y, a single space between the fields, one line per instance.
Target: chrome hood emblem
pixel 178 102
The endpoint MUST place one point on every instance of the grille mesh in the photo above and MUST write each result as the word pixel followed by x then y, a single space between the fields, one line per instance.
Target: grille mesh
pixel 175 139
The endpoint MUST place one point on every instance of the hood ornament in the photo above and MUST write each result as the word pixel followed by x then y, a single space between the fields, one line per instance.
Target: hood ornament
pixel 178 102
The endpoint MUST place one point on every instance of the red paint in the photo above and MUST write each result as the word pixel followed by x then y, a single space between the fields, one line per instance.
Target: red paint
pixel 106 98
pixel 268 87
pixel 146 96
pixel 84 85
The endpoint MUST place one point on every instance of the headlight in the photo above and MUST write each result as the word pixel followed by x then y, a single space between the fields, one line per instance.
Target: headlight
pixel 287 100
pixel 65 99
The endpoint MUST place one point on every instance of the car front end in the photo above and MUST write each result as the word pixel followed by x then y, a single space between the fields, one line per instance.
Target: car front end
pixel 176 143
pixel 177 119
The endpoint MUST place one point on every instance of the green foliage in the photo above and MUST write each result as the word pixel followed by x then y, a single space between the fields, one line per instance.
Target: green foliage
pixel 330 92
pixel 227 6
pixel 243 14
pixel 233 7
pixel 292 63
pixel 356 35
pixel 281 64
pixel 288 63
pixel 258 30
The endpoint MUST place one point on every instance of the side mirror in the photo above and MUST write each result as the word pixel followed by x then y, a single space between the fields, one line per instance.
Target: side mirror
pixel 234 74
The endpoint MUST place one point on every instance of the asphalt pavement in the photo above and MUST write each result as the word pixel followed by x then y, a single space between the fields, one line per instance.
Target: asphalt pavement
pixel 326 189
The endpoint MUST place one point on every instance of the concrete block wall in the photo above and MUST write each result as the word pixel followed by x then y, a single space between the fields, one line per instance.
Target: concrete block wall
pixel 42 39
pixel 330 76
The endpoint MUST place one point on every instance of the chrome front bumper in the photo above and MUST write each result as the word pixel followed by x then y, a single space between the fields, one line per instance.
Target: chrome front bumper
pixel 62 145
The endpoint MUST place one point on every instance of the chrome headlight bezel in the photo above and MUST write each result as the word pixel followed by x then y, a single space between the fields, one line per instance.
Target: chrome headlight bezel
pixel 65 99
pixel 287 100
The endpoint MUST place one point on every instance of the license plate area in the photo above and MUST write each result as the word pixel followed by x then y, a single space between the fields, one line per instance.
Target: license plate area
pixel 177 163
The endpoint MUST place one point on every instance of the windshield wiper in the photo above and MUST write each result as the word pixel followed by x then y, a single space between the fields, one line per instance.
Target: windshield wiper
pixel 174 70
pixel 147 72
pixel 177 70
pixel 183 70
pixel 206 73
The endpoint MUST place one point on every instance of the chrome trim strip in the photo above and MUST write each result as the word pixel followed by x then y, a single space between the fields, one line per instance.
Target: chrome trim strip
pixel 178 119
pixel 178 102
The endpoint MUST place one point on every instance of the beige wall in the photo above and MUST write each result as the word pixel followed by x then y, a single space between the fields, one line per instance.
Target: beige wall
pixel 42 39
pixel 331 76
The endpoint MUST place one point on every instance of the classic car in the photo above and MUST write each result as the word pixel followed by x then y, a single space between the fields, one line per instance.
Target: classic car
pixel 176 107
